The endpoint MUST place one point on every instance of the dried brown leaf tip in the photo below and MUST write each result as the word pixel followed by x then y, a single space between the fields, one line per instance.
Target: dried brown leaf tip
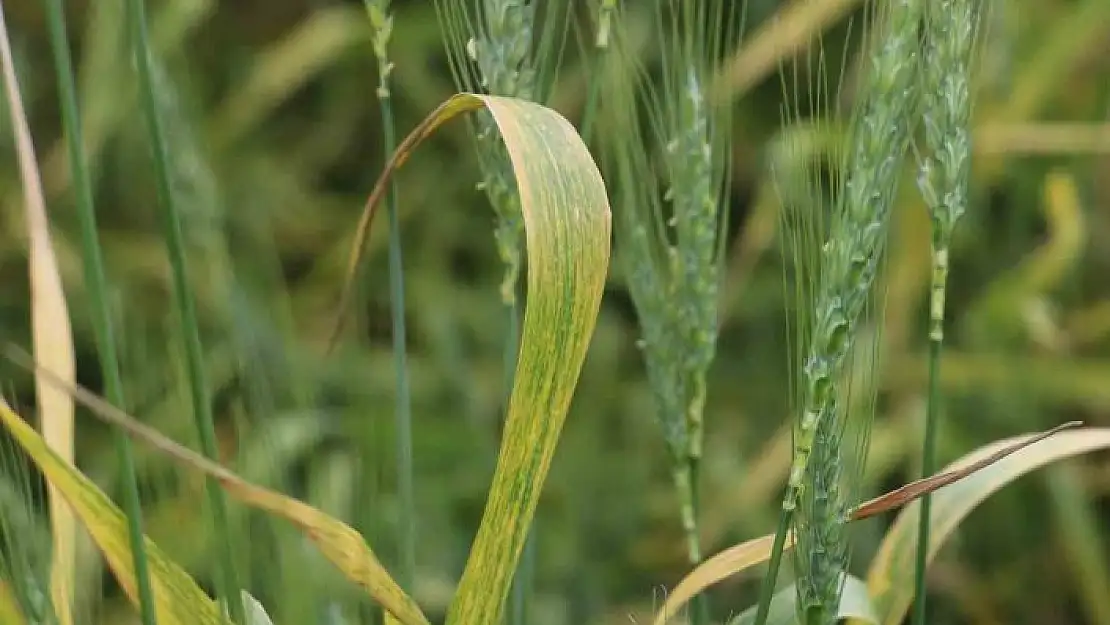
pixel 918 488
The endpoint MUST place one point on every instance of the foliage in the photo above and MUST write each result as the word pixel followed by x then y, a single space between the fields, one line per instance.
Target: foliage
pixel 274 135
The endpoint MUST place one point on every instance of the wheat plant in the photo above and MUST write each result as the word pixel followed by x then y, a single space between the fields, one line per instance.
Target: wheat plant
pixel 841 256
pixel 666 134
pixel 950 33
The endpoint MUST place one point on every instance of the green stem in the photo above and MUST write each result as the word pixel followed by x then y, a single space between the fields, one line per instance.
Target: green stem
pixel 403 410
pixel 932 418
pixel 767 590
pixel 103 332
pixel 700 604
pixel 171 220
pixel 592 94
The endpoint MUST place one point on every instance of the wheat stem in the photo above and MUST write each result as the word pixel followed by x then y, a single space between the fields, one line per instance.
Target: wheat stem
pixel 171 219
pixel 381 23
pixel 949 40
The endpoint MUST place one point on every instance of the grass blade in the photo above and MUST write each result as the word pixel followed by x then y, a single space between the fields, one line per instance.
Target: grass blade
pixel 791 28
pixel 567 224
pixel 10 611
pixel 338 542
pixel 756 551
pixel 171 219
pixel 93 264
pixel 180 601
pixel 53 339
pixel 717 569
pixel 891 578
pixel 567 227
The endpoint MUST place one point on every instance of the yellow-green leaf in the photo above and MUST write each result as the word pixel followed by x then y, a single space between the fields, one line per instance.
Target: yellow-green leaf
pixel 338 542
pixel 10 611
pixel 53 339
pixel 891 576
pixel 745 555
pixel 566 218
pixel 178 598
pixel 567 224
pixel 716 569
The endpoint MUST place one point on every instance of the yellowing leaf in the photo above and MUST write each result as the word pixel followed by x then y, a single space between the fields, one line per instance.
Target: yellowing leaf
pixel 566 217
pixel 10 612
pixel 178 599
pixel 891 577
pixel 745 555
pixel 53 339
pixel 338 542
pixel 716 569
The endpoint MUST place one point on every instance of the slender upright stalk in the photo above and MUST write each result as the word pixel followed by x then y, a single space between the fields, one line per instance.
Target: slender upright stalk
pixel 93 264
pixel 950 32
pixel 382 23
pixel 171 221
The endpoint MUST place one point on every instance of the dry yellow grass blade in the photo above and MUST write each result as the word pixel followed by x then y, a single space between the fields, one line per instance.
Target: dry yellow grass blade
pixel 782 35
pixel 178 599
pixel 891 577
pixel 338 542
pixel 745 555
pixel 1037 138
pixel 716 569
pixel 287 64
pixel 10 611
pixel 53 339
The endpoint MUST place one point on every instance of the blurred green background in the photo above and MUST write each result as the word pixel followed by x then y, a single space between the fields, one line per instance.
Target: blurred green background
pixel 275 140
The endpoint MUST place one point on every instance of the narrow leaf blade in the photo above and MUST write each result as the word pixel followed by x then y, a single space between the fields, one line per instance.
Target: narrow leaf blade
pixel 891 577
pixel 567 223
pixel 10 611
pixel 567 226
pixel 178 598
pixel 720 567
pixel 53 339
pixel 337 541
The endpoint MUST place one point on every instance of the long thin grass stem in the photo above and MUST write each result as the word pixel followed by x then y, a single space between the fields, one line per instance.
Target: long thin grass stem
pixel 171 220
pixel 590 111
pixel 928 467
pixel 950 31
pixel 767 589
pixel 382 24
pixel 93 264
pixel 403 410
pixel 700 603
